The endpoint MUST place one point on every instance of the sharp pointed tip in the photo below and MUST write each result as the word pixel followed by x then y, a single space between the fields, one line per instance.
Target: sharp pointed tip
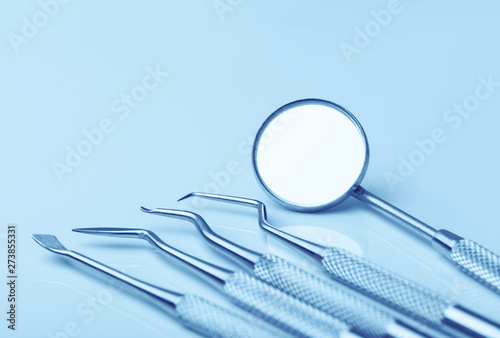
pixel 119 232
pixel 146 209
pixel 186 196
pixel 83 230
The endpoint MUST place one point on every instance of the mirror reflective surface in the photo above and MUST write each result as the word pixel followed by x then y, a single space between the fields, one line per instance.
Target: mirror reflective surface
pixel 309 154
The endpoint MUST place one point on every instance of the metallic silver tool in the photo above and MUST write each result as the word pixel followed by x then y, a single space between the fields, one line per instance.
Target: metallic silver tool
pixel 402 294
pixel 365 318
pixel 253 295
pixel 312 154
pixel 196 313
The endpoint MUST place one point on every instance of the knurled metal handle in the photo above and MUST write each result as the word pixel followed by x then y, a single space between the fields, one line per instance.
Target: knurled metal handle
pixel 324 295
pixel 379 283
pixel 281 309
pixel 211 320
pixel 478 262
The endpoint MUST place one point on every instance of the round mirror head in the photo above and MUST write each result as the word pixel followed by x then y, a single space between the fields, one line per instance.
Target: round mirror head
pixel 309 154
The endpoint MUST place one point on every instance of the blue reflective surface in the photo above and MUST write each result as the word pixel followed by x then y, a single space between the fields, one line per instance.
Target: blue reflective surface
pixel 107 107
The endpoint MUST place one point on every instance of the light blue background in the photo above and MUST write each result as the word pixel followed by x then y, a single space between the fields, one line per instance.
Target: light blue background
pixel 225 77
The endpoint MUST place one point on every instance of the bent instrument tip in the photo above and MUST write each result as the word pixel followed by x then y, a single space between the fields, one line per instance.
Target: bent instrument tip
pixel 186 196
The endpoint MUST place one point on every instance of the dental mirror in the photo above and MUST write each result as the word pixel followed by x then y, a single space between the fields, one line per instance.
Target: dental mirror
pixel 312 154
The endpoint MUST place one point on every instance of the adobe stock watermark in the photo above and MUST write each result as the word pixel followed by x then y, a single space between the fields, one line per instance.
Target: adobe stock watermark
pixel 87 311
pixel 220 180
pixel 31 26
pixel 453 289
pixel 94 137
pixel 364 35
pixel 222 7
pixel 453 118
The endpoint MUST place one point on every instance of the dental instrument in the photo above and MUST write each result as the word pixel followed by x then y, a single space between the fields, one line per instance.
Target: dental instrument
pixel 416 301
pixel 253 295
pixel 194 312
pixel 364 318
pixel 312 154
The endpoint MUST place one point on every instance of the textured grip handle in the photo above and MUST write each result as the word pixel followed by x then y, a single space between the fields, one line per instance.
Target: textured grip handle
pixel 377 282
pixel 478 262
pixel 356 312
pixel 281 309
pixel 211 320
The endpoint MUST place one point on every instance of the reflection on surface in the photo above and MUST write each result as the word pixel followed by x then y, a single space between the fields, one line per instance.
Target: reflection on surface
pixel 324 236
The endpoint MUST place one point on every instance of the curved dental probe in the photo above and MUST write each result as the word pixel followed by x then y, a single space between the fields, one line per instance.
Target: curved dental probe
pixel 321 160
pixel 253 295
pixel 353 309
pixel 381 284
pixel 192 311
